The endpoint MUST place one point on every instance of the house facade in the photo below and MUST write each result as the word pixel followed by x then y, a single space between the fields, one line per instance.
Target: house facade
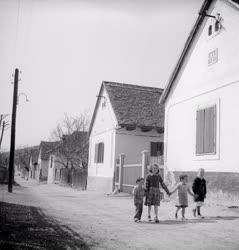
pixel 54 169
pixel 127 120
pixel 39 160
pixel 33 165
pixel 201 97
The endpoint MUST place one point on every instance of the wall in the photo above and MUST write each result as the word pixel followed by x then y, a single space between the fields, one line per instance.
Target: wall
pixel 132 143
pixel 200 85
pixel 197 76
pixel 102 131
pixel 54 176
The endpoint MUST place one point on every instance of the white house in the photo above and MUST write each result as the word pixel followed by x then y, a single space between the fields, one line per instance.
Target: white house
pixel 201 97
pixel 127 119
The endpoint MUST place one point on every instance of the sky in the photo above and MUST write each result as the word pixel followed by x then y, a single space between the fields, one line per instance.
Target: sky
pixel 66 48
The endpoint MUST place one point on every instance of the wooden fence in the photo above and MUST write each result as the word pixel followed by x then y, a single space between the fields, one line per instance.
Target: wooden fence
pixel 126 174
pixel 76 178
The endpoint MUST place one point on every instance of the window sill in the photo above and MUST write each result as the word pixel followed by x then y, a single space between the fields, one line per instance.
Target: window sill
pixel 206 157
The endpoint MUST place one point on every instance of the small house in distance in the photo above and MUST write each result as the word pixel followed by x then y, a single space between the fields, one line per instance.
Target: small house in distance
pixel 201 97
pixel 39 160
pixel 127 120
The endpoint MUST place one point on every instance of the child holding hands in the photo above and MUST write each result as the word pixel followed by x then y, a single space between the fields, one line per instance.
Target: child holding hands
pixel 153 192
pixel 183 190
pixel 138 193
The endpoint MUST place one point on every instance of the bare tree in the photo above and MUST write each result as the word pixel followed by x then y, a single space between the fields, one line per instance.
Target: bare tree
pixel 72 151
pixel 22 158
pixel 4 125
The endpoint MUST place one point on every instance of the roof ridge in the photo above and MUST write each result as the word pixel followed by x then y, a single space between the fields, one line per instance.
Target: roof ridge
pixel 135 86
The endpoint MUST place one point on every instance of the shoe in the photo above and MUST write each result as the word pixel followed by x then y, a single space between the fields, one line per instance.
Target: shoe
pixel 156 220
pixel 136 220
pixel 194 212
pixel 200 216
pixel 184 219
pixel 149 218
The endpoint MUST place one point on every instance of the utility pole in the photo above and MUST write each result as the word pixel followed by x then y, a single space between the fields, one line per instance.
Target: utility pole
pixel 13 130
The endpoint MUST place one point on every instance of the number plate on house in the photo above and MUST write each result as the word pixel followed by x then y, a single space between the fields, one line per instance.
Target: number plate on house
pixel 213 57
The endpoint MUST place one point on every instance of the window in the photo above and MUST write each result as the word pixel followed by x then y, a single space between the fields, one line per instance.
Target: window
pixel 99 152
pixel 156 148
pixel 206 131
pixel 209 30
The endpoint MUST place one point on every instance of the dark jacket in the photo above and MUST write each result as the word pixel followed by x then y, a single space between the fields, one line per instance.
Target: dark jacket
pixel 199 188
pixel 138 193
pixel 153 181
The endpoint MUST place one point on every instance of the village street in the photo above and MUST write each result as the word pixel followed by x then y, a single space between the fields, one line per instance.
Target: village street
pixel 105 221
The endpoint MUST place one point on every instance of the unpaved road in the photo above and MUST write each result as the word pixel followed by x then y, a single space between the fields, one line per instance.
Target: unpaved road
pixel 105 222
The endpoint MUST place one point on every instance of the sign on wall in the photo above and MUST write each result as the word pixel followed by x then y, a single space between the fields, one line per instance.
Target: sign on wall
pixel 213 57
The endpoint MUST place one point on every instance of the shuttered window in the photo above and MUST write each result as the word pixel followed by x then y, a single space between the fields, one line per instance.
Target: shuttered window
pixel 206 131
pixel 99 152
pixel 156 148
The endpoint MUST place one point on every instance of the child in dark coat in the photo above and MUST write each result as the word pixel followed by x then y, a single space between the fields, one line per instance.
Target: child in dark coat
pixel 153 192
pixel 200 190
pixel 138 193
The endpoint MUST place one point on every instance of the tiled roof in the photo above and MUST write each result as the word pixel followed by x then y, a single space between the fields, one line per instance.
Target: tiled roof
pixel 136 105
pixel 47 148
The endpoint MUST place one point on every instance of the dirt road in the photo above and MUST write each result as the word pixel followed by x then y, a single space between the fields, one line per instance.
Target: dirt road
pixel 105 222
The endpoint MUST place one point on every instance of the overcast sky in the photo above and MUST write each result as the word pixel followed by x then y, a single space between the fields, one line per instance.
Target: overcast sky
pixel 66 48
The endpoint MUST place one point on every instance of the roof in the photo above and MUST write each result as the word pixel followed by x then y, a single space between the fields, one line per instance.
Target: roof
pixel 188 45
pixel 47 148
pixel 133 105
pixel 75 139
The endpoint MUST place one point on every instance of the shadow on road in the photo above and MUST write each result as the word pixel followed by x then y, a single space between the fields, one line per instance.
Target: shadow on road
pixel 26 227
pixel 211 219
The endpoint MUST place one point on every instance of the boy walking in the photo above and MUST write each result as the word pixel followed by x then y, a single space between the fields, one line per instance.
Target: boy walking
pixel 200 191
pixel 139 193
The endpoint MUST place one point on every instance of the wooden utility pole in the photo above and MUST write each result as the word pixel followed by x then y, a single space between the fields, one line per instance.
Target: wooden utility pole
pixel 13 130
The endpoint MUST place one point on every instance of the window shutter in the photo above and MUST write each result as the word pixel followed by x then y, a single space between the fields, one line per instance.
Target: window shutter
pixel 214 127
pixel 153 149
pixel 161 150
pixel 200 131
pixel 102 152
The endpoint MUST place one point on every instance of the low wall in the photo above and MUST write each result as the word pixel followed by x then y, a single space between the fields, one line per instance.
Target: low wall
pixel 226 182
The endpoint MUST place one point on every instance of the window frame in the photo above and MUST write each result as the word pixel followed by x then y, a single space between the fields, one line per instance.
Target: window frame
pixel 160 146
pixel 208 156
pixel 214 139
pixel 99 156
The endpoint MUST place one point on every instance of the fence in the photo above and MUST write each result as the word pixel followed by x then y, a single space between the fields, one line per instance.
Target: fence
pixel 76 178
pixel 126 174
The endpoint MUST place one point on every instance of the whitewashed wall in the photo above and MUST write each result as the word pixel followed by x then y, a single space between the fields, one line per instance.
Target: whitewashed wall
pixel 201 85
pixel 103 131
pixel 132 143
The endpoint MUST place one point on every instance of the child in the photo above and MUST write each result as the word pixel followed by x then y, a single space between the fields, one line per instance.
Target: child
pixel 150 170
pixel 138 192
pixel 199 190
pixel 153 191
pixel 183 191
